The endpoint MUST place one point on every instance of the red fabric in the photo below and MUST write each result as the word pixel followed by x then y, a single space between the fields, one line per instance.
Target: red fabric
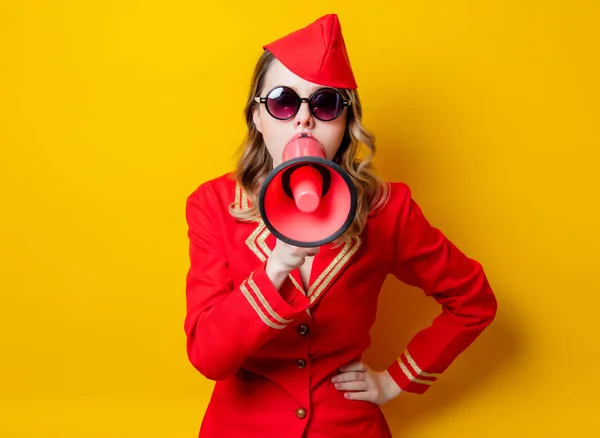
pixel 249 337
pixel 317 53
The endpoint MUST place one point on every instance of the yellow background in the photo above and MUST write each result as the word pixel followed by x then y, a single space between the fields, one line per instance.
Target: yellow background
pixel 112 112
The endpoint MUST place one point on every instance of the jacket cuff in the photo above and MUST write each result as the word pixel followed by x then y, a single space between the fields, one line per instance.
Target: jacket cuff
pixel 409 376
pixel 276 308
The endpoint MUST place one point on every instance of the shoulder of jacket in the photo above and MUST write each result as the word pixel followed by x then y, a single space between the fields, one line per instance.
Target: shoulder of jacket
pixel 215 186
pixel 397 194
pixel 224 189
pixel 399 189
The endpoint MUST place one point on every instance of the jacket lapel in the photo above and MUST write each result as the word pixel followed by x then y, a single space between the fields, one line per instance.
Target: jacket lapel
pixel 328 264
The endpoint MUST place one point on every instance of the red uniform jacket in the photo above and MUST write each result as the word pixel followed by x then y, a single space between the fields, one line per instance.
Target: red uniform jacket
pixel 273 352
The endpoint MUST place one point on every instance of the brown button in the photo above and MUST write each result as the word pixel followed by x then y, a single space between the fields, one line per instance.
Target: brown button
pixel 303 329
pixel 300 413
pixel 301 363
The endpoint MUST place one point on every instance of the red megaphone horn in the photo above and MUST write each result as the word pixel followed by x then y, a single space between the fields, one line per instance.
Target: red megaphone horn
pixel 307 200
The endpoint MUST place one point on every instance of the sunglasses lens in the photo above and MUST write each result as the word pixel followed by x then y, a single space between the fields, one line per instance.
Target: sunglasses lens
pixel 327 104
pixel 282 103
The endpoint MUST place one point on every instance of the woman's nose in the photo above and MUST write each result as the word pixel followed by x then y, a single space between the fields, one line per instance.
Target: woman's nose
pixel 304 117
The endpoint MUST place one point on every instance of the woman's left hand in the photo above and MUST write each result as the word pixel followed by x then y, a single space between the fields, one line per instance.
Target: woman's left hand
pixel 362 383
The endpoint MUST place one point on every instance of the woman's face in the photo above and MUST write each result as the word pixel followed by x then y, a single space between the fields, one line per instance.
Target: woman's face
pixel 276 133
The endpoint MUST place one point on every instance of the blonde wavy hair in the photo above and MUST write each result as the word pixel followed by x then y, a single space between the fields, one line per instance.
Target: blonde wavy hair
pixel 255 162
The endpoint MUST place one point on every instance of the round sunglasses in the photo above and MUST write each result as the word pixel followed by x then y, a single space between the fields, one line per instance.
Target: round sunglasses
pixel 283 103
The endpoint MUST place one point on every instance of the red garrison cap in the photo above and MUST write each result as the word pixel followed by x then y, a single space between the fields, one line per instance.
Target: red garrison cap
pixel 317 53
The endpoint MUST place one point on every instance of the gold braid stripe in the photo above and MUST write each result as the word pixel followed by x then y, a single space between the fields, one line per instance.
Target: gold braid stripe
pixel 258 310
pixel 250 241
pixel 296 285
pixel 237 197
pixel 244 201
pixel 334 267
pixel 264 302
pixel 410 376
pixel 241 198
pixel 418 370
pixel 261 239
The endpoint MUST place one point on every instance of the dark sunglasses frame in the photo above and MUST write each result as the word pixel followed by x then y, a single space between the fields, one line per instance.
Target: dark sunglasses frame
pixel 345 103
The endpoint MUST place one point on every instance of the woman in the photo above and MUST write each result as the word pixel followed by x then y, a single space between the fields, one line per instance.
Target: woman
pixel 280 328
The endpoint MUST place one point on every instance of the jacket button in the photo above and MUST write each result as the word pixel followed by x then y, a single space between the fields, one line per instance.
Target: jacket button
pixel 301 413
pixel 303 329
pixel 301 363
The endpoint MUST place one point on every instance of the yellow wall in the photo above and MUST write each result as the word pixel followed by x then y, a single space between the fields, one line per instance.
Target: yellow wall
pixel 112 112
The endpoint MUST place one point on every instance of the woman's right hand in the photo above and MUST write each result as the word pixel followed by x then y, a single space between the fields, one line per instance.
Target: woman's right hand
pixel 284 259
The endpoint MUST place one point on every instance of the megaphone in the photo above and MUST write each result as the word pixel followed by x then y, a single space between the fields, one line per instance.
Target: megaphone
pixel 307 200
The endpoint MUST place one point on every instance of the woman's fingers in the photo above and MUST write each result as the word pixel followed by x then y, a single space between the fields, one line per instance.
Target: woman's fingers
pixel 352 386
pixel 361 395
pixel 291 257
pixel 355 366
pixel 350 376
pixel 308 252
pixel 360 382
pixel 301 251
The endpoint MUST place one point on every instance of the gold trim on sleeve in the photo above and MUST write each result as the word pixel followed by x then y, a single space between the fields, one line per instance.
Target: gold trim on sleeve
pixel 416 367
pixel 258 310
pixel 409 375
pixel 264 302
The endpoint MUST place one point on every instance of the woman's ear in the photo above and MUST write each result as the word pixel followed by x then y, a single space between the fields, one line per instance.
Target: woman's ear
pixel 256 118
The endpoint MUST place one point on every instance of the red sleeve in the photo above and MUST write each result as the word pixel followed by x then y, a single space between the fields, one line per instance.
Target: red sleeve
pixel 426 259
pixel 226 323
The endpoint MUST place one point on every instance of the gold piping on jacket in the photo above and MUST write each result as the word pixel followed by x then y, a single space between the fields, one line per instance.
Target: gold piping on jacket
pixel 321 283
pixel 411 377
pixel 281 324
pixel 262 237
pixel 251 241
pixel 244 201
pixel 265 303
pixel 237 196
pixel 241 198
pixel 416 367
pixel 417 370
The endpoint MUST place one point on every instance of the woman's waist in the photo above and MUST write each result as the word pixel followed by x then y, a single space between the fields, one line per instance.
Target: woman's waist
pixel 262 399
